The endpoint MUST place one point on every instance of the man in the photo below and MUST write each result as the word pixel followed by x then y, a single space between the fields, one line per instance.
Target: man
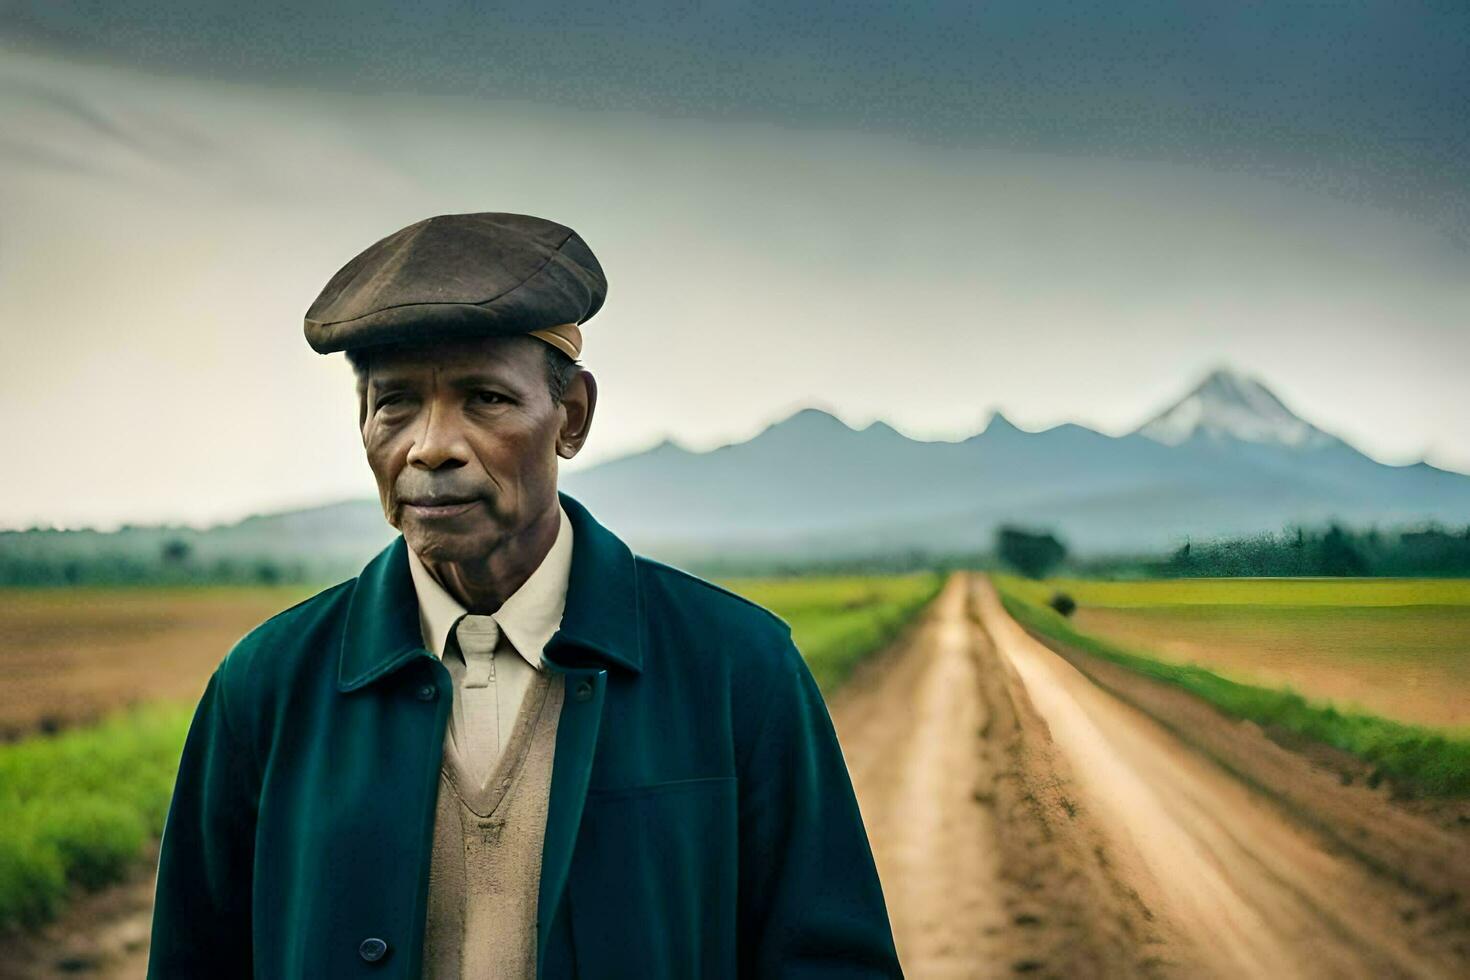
pixel 510 747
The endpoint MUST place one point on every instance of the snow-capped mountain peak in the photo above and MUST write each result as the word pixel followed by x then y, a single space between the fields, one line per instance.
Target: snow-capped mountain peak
pixel 1228 404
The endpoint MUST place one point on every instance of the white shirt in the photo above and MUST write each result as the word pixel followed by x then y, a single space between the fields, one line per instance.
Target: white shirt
pixel 501 650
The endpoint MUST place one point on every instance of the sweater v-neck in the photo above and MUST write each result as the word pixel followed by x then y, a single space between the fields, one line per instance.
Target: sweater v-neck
pixel 483 800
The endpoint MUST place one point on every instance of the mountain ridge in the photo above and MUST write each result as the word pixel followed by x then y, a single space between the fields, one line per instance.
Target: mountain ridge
pixel 1226 457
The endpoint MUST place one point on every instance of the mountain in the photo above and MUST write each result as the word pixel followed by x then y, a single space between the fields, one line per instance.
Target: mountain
pixel 1227 458
pixel 1228 405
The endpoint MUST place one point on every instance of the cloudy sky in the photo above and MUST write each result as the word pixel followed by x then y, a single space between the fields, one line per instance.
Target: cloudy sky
pixel 1067 212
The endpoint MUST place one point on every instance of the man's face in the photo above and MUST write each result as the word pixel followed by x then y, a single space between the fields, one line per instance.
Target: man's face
pixel 462 438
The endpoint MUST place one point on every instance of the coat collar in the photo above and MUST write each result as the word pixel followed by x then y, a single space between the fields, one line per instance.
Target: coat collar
pixel 601 625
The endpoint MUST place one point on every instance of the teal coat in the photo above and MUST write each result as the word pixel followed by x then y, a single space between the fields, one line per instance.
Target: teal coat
pixel 701 822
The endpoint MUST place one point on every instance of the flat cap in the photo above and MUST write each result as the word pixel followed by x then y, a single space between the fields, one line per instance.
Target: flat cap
pixel 462 275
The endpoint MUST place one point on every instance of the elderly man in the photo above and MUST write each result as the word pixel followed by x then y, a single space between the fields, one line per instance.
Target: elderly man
pixel 510 747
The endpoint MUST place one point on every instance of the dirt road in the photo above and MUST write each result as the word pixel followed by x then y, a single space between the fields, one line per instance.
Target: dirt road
pixel 1026 820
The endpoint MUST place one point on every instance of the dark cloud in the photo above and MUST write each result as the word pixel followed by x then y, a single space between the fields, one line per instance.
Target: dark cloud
pixel 1364 100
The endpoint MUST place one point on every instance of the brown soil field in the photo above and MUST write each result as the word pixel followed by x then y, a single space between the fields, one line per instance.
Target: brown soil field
pixel 1409 663
pixel 68 656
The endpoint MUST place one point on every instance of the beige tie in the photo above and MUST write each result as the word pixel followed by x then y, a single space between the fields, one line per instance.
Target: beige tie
pixel 479 737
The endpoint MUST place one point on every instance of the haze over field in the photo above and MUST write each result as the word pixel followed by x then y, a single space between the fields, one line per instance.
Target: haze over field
pixel 1228 457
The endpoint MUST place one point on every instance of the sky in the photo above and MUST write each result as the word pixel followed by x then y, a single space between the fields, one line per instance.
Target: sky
pixel 787 218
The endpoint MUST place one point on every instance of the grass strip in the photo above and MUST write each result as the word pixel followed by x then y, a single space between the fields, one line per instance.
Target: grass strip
pixel 836 622
pixel 78 808
pixel 1422 759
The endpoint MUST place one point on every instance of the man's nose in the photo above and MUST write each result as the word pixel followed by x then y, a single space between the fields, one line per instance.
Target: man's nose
pixel 440 442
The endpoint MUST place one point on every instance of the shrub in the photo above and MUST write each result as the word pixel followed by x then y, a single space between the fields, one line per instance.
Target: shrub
pixel 1062 603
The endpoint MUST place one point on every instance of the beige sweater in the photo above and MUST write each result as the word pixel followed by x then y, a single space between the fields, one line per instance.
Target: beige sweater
pixel 486 870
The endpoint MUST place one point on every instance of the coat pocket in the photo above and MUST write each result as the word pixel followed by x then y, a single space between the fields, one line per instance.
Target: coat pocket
pixel 653 881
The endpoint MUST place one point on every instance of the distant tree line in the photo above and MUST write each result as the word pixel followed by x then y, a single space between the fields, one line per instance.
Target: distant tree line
pixel 174 561
pixel 1336 550
pixel 65 558
pixel 1298 550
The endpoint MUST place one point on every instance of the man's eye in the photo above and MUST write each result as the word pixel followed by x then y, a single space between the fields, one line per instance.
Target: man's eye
pixel 489 397
pixel 388 400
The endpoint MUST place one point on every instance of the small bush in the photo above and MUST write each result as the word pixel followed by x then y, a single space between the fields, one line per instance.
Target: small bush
pixel 1062 603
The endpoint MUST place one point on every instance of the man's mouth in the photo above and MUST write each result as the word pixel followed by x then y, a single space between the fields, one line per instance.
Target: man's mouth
pixel 439 506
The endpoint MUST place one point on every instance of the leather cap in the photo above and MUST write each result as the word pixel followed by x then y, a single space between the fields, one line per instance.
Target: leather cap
pixel 459 275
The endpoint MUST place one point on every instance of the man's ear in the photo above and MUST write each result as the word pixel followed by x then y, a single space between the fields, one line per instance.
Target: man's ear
pixel 578 402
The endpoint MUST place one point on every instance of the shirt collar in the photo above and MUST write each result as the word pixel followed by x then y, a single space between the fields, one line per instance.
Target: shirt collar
pixel 602 625
pixel 528 617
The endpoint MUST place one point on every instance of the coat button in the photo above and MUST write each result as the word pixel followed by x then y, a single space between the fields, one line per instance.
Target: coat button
pixel 428 692
pixel 372 949
pixel 583 691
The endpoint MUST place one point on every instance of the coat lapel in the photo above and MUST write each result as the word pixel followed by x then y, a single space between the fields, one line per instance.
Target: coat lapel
pixel 382 631
pixel 601 628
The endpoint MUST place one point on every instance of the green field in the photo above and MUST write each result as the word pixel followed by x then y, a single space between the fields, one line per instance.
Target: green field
pixel 837 621
pixel 1378 668
pixel 1398 648
pixel 78 808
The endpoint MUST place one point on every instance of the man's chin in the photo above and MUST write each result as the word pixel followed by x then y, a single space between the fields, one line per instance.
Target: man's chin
pixel 432 541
